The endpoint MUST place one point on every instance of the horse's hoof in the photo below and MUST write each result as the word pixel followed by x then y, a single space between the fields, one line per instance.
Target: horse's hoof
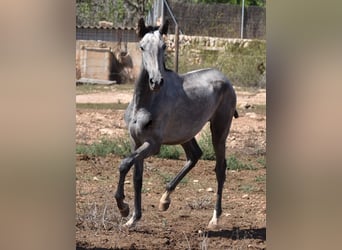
pixel 212 226
pixel 125 210
pixel 129 224
pixel 163 206
pixel 165 201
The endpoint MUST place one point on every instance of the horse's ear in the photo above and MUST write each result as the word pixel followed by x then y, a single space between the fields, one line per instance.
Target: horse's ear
pixel 163 29
pixel 141 30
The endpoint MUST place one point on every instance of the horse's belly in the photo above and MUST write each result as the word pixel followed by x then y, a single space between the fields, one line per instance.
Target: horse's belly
pixel 182 131
pixel 178 139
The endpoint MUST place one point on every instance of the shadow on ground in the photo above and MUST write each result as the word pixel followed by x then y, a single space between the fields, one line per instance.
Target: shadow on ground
pixel 239 234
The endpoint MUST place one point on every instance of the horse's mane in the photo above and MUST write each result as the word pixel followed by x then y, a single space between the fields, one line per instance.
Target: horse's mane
pixel 142 29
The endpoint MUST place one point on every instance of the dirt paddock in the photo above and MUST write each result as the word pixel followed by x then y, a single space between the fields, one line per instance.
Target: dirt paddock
pixel 183 226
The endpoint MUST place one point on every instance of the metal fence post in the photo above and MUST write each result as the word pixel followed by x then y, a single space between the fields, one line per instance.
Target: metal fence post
pixel 176 47
pixel 242 17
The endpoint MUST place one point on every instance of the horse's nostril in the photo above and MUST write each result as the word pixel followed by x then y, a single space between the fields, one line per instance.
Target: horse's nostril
pixel 156 85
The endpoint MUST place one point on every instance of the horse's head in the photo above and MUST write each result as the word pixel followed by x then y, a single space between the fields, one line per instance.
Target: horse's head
pixel 152 47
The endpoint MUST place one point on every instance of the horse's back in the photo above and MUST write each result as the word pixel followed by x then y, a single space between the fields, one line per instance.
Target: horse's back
pixel 210 74
pixel 210 81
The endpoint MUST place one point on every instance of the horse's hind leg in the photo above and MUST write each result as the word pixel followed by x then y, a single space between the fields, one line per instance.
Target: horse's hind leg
pixel 219 126
pixel 193 153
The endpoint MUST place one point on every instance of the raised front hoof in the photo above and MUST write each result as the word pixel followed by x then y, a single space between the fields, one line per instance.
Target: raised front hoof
pixel 163 206
pixel 124 211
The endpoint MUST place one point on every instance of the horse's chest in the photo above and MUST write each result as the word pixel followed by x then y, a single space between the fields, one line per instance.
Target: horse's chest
pixel 140 124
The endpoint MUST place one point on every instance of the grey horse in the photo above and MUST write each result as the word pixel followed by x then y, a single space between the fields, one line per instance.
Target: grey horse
pixel 168 108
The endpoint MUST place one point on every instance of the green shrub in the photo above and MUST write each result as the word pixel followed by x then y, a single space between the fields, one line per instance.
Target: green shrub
pixel 235 164
pixel 169 152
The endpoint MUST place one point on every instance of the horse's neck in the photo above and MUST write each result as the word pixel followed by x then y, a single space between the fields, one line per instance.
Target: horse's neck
pixel 142 94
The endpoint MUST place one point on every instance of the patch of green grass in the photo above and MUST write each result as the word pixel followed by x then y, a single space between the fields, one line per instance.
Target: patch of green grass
pixel 115 106
pixel 206 145
pixel 169 152
pixel 234 164
pixel 96 88
pixel 262 161
pixel 91 88
pixel 119 146
pixel 167 177
pixel 260 178
pixel 247 188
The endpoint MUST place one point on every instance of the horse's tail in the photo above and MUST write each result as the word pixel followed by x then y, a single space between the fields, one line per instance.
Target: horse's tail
pixel 236 114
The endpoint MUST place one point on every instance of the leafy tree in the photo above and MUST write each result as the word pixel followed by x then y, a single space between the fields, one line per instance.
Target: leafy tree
pixel 127 12
pixel 261 3
pixel 120 12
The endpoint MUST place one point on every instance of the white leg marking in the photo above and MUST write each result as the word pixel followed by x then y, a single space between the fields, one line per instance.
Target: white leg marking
pixel 131 222
pixel 213 223
pixel 165 201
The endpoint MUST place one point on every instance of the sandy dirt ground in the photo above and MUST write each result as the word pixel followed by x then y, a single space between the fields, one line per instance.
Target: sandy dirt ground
pixel 183 226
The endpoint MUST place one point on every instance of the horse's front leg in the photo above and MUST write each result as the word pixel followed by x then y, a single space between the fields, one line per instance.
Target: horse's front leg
pixel 137 180
pixel 136 158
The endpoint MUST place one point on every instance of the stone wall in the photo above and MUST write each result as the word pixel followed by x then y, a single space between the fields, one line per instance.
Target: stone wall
pixel 240 59
pixel 205 42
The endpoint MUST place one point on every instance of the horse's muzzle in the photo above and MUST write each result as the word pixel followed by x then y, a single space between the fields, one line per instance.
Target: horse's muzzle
pixel 155 85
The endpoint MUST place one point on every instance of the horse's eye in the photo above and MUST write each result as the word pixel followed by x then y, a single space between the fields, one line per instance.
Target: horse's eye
pixel 142 48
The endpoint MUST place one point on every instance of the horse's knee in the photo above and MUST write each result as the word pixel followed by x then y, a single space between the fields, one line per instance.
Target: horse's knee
pixel 125 165
pixel 220 169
